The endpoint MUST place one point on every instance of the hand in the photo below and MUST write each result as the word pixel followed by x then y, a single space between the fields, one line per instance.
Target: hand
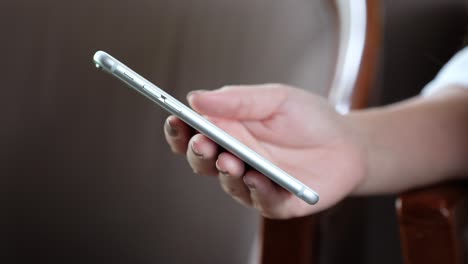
pixel 298 131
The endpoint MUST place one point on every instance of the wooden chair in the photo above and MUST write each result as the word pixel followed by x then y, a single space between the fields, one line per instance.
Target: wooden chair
pixel 432 224
pixel 431 220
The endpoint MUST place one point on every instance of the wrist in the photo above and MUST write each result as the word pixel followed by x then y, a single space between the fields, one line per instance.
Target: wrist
pixel 413 143
pixel 359 130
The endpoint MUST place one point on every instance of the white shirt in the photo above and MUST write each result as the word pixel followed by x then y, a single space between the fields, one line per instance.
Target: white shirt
pixel 455 72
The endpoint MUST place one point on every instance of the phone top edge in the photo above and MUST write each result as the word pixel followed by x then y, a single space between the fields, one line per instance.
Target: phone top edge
pixel 106 62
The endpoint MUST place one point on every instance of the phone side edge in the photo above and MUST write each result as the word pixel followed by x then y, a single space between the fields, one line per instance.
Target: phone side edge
pixel 159 96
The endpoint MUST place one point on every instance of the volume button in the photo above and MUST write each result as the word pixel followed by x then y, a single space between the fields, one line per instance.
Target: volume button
pixel 172 105
pixel 130 77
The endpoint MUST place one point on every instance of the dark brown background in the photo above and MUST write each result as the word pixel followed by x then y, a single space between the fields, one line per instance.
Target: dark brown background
pixel 85 174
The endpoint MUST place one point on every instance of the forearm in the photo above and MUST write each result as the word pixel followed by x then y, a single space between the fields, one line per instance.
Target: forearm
pixel 413 143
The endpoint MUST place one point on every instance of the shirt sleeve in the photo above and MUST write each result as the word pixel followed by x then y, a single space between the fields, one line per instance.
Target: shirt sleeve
pixel 454 73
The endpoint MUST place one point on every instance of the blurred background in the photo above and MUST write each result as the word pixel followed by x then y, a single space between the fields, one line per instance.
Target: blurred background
pixel 86 175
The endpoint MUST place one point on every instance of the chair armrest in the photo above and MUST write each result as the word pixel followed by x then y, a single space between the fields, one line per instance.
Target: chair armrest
pixel 432 221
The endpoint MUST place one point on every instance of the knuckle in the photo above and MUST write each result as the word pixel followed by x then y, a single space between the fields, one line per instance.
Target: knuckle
pixel 201 172
pixel 243 200
pixel 229 189
pixel 232 191
pixel 277 86
pixel 269 211
pixel 227 87
pixel 175 150
pixel 272 214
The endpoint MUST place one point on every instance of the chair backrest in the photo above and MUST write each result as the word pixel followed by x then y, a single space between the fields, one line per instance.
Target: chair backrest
pixel 433 224
pixel 359 36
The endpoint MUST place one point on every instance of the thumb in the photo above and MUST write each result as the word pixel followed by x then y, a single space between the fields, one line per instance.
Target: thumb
pixel 247 102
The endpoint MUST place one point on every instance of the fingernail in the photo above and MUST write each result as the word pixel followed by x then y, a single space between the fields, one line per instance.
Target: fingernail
pixel 224 172
pixel 196 149
pixel 170 129
pixel 191 93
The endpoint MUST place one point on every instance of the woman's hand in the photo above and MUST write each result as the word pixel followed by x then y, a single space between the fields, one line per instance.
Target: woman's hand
pixel 298 131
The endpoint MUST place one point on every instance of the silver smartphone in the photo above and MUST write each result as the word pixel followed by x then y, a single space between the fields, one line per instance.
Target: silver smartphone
pixel 111 65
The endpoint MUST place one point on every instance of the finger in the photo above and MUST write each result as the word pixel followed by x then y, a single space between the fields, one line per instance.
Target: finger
pixel 231 170
pixel 240 102
pixel 202 154
pixel 270 199
pixel 177 134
